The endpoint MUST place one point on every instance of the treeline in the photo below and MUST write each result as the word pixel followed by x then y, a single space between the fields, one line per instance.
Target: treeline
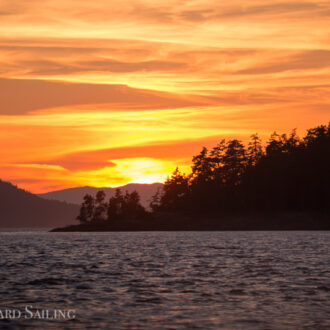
pixel 119 207
pixel 286 174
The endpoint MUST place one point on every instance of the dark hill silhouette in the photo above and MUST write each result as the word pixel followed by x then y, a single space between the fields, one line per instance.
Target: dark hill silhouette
pixel 19 208
pixel 75 195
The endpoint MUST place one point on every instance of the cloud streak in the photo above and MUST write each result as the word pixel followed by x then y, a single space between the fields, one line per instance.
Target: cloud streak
pixel 23 96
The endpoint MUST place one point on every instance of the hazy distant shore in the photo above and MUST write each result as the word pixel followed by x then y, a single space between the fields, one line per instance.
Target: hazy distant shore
pixel 280 221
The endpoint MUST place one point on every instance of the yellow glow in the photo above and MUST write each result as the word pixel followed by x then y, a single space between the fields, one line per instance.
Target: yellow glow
pixel 143 170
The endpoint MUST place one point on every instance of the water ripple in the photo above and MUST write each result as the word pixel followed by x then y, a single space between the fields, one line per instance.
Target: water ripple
pixel 169 280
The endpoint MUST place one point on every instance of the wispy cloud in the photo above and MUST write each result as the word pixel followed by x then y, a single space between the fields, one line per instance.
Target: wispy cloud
pixel 305 60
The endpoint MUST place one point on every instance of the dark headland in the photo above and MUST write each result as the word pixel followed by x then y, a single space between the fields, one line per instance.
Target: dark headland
pixel 289 221
pixel 281 185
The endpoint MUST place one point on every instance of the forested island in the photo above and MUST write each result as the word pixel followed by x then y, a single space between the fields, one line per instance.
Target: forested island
pixel 282 185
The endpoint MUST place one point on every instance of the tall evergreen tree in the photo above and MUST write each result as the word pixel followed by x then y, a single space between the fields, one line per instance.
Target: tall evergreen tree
pixel 115 206
pixel 175 191
pixel 87 209
pixel 254 150
pixel 100 206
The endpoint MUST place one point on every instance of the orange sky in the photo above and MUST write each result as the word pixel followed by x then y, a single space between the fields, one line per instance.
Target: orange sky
pixel 104 93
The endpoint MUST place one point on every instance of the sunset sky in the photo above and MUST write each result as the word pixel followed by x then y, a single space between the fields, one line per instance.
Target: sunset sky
pixel 104 93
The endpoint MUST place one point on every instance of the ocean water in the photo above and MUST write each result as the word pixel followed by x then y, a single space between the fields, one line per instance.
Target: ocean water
pixel 167 280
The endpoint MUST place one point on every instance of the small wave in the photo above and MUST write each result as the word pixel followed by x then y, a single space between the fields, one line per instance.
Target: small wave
pixel 237 292
pixel 83 287
pixel 323 288
pixel 50 281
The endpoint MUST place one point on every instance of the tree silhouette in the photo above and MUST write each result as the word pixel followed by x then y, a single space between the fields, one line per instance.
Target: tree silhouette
pixel 175 191
pixel 156 200
pixel 132 209
pixel 100 207
pixel 87 209
pixel 125 207
pixel 115 206
pixel 254 150
pixel 235 162
pixel 292 174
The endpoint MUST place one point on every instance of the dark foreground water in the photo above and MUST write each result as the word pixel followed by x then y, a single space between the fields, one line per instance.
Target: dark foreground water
pixel 167 280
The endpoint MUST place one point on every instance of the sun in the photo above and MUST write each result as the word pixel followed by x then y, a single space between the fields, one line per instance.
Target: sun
pixel 141 170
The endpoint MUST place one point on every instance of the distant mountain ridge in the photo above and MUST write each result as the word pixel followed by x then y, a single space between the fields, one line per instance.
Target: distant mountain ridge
pixel 20 208
pixel 75 195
